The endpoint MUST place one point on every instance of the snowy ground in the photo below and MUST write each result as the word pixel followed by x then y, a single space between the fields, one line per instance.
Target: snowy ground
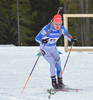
pixel 16 64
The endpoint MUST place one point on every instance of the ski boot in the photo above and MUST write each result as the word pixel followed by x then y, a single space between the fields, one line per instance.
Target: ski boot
pixel 54 84
pixel 60 83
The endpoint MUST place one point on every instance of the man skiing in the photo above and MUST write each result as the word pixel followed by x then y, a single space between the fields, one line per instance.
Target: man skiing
pixel 47 38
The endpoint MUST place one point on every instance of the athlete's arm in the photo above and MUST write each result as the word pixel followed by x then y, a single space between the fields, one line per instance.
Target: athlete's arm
pixel 65 33
pixel 42 33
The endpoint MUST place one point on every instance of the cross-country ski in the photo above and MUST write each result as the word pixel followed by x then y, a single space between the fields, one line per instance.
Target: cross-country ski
pixel 67 89
pixel 53 91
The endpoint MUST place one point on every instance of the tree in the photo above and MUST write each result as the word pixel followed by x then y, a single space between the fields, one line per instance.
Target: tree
pixel 26 18
pixel 87 35
pixel 85 24
pixel 33 15
pixel 3 21
pixel 79 26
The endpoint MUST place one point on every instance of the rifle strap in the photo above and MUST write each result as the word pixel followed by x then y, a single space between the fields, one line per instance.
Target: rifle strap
pixel 60 31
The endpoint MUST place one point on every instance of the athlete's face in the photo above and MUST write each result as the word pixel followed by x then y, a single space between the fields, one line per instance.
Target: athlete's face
pixel 57 25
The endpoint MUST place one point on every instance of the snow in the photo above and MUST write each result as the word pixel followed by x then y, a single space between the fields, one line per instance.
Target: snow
pixel 16 64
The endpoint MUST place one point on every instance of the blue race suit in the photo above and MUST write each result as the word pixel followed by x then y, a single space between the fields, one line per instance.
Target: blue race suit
pixel 50 51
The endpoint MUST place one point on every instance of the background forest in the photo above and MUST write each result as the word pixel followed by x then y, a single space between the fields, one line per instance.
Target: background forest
pixel 33 15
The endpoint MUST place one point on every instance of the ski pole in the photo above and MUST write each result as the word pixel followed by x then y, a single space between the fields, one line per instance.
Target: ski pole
pixel 32 69
pixel 67 58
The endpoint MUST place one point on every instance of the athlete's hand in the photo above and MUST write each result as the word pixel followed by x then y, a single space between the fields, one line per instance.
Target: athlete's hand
pixel 45 40
pixel 74 39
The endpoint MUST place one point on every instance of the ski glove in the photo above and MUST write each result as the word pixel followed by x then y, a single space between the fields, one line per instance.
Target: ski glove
pixel 44 40
pixel 74 39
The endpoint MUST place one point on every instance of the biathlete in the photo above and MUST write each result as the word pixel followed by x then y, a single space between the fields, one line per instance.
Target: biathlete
pixel 50 53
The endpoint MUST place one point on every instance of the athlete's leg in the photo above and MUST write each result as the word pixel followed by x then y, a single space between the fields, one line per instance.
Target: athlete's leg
pixel 51 61
pixel 58 67
pixel 56 56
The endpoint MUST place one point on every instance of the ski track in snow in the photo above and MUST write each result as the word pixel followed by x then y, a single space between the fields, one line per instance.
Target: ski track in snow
pixel 16 64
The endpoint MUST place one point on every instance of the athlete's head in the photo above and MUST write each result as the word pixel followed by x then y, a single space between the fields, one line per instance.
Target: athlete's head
pixel 57 21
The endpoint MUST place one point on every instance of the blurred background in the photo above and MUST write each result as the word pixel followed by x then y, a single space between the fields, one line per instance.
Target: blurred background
pixel 22 20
